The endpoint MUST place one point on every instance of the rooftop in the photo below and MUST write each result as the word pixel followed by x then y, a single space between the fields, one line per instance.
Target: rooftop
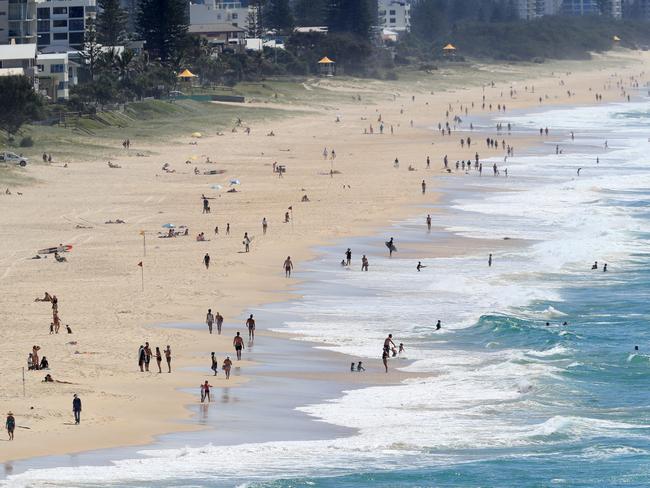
pixel 17 51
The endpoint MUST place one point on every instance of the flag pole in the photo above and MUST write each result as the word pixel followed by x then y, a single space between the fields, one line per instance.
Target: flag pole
pixel 142 274
pixel 144 243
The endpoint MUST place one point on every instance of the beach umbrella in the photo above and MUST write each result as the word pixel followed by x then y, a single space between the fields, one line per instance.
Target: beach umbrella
pixel 616 38
pixel 449 47
pixel 197 135
pixel 235 182
pixel 216 187
pixel 168 226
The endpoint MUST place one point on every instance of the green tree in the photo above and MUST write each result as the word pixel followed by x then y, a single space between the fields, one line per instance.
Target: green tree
pixel 310 12
pixel 429 19
pixel 92 50
pixel 354 16
pixel 163 25
pixel 19 103
pixel 111 22
pixel 279 15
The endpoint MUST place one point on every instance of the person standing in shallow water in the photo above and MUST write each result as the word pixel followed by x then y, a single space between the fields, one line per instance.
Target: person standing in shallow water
pixel 238 342
pixel 288 267
pixel 490 261
pixel 429 222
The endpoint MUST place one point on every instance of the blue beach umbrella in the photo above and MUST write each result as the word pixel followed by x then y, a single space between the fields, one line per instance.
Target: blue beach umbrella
pixel 169 226
pixel 235 182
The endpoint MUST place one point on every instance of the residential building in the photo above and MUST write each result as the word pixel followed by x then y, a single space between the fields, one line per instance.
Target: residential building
pixel 220 35
pixel 56 74
pixel 394 15
pixel 18 59
pixel 532 9
pixel 17 21
pixel 591 7
pixel 62 23
pixel 205 12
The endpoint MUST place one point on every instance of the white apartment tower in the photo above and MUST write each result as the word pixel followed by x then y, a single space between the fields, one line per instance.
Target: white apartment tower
pixel 395 15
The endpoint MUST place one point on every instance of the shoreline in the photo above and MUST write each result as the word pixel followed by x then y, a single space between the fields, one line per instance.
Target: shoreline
pixel 397 212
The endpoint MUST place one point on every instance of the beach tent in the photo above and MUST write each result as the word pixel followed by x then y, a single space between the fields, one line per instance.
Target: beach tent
pixel 168 226
pixel 235 182
pixel 326 66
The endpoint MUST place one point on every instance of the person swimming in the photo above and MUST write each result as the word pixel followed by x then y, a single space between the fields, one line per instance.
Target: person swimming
pixel 595 266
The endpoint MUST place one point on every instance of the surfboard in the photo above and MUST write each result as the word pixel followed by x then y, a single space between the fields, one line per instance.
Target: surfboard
pixel 52 250
pixel 390 246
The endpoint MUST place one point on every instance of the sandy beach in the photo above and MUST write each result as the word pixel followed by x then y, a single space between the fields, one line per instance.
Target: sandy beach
pixel 99 288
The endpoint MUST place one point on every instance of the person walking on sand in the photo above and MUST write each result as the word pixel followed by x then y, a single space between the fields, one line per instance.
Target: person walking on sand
pixel 288 266
pixel 215 364
pixel 219 319
pixel 238 342
pixel 168 357
pixel 158 359
pixel 147 356
pixel 76 409
pixel 250 325
pixel 227 364
pixel 264 226
pixel 209 319
pixel 429 222
pixel 11 425
pixel 246 242
pixel 141 357
pixel 206 260
pixel 424 187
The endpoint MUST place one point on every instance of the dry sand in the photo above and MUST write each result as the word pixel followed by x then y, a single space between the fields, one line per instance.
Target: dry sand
pixel 99 288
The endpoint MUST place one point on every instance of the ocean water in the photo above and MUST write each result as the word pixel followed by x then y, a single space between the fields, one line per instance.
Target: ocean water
pixel 504 400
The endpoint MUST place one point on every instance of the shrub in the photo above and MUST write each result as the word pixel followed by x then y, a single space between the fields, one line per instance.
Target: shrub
pixel 26 141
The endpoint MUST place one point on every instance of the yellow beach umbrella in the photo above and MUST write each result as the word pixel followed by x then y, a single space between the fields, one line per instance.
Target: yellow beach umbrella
pixel 449 47
pixel 326 60
pixel 197 135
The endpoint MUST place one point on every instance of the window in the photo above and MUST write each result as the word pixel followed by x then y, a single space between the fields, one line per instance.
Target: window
pixel 59 23
pixel 2 13
pixel 43 26
pixel 63 85
pixel 76 24
pixel 40 68
pixel 60 36
pixel 76 38
pixel 43 39
pixel 76 12
pixel 43 13
pixel 392 20
pixel 234 16
pixel 59 10
pixel 392 12
pixel 57 68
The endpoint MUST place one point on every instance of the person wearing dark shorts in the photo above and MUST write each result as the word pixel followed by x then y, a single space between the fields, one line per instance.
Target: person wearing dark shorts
pixel 238 342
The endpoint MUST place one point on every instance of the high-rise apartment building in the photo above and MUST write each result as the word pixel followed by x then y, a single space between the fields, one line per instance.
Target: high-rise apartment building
pixel 17 21
pixel 61 24
pixel 592 7
pixel 395 15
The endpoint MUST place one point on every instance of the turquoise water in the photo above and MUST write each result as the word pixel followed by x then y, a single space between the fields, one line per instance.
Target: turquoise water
pixel 505 400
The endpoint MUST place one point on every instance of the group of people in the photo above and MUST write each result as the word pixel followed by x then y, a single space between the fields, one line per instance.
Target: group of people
pixel 145 354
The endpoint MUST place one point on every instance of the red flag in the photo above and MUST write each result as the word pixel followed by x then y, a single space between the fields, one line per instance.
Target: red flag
pixel 140 264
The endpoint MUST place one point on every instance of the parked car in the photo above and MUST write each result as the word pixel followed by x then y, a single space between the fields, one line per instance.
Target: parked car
pixel 9 157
